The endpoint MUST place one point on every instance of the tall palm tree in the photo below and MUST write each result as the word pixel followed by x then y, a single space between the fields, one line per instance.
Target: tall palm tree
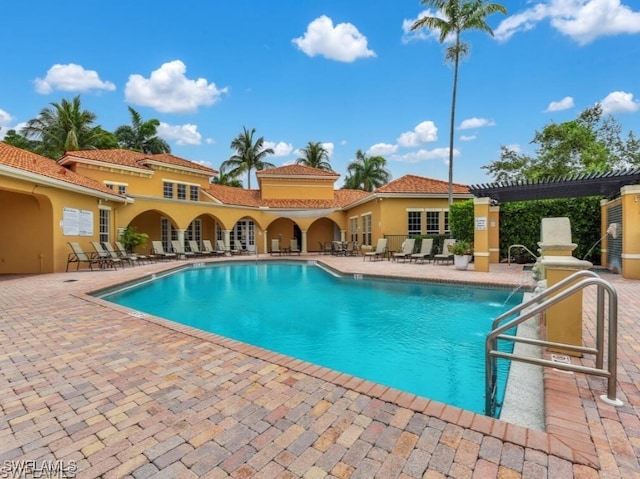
pixel 65 127
pixel 141 135
pixel 249 155
pixel 367 172
pixel 314 155
pixel 225 179
pixel 457 16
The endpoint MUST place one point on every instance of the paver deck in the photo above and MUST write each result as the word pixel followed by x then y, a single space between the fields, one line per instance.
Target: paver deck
pixel 89 385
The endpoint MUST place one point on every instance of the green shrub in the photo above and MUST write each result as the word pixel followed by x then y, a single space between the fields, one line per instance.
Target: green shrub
pixel 520 223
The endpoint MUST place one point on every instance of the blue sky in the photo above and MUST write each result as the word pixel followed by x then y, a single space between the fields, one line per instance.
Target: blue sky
pixel 348 74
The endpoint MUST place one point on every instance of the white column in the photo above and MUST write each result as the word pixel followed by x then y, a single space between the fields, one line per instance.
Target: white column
pixel 227 242
pixel 304 241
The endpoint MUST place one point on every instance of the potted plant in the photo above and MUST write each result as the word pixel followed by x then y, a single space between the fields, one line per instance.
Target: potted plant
pixel 131 239
pixel 461 251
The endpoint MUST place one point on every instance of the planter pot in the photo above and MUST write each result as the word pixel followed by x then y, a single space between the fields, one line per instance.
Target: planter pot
pixel 461 261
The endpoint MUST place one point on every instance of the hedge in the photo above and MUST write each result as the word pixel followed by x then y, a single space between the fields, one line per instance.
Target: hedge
pixel 520 223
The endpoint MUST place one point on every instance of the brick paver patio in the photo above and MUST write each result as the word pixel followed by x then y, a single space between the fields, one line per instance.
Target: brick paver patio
pixel 88 384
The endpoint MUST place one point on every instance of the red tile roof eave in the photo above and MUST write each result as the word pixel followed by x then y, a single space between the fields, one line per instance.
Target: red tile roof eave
pixel 68 159
pixel 26 175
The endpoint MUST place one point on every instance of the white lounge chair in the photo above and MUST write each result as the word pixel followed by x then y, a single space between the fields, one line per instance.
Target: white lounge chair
pixel 78 256
pixel 445 255
pixel 379 252
pixel 406 250
pixel 160 253
pixel 425 251
pixel 195 249
pixel 221 248
pixel 275 247
pixel 293 246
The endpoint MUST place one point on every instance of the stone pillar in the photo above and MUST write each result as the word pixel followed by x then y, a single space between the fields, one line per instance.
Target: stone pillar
pixel 630 231
pixel 181 237
pixel 227 242
pixel 265 241
pixel 303 246
pixel 604 221
pixel 564 319
pixel 494 234
pixel 343 235
pixel 555 237
pixel 481 234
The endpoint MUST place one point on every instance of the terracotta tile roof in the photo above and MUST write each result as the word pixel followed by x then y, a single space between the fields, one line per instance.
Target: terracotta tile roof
pixel 240 197
pixel 135 159
pixel 230 195
pixel 177 161
pixel 117 157
pixel 295 170
pixel 33 163
pixel 420 184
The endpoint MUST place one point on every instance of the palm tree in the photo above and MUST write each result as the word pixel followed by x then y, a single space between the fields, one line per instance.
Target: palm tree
pixel 457 16
pixel 314 155
pixel 249 155
pixel 65 127
pixel 225 179
pixel 367 172
pixel 141 135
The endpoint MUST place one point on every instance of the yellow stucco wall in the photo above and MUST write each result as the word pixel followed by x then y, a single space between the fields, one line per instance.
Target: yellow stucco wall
pixel 297 188
pixel 631 232
pixel 138 183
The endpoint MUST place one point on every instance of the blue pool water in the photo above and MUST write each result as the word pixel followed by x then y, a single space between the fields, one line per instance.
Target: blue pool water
pixel 422 338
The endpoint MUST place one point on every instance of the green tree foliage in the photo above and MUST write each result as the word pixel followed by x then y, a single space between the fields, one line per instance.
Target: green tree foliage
pixel 65 126
pixel 366 172
pixel 314 155
pixel 455 17
pixel 225 179
pixel 591 143
pixel 250 155
pixel 520 223
pixel 13 138
pixel 141 135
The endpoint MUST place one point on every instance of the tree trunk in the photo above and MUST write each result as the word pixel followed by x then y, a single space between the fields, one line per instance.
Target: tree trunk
pixel 453 116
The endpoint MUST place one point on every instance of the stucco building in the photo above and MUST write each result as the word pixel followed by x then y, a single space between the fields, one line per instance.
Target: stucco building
pixel 93 195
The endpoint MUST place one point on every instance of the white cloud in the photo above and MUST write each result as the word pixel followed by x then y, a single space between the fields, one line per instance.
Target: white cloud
pixel 343 142
pixel 564 104
pixel 168 90
pixel 279 149
pixel 425 155
pixel 581 20
pixel 182 134
pixel 343 42
pixel 468 137
pixel 475 123
pixel 210 141
pixel 330 147
pixel 619 102
pixel 382 149
pixel 5 118
pixel 515 147
pixel 71 77
pixel 425 132
pixel 421 33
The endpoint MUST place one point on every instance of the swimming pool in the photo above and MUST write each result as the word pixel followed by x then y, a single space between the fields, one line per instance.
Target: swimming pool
pixel 423 338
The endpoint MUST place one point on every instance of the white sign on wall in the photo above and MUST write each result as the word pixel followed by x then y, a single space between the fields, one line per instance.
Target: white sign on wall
pixel 481 223
pixel 77 222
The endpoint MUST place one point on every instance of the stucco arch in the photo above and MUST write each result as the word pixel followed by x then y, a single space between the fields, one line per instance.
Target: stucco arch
pixel 27 242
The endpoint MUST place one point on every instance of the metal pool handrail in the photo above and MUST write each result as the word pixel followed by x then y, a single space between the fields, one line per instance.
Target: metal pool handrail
pixel 518 246
pixel 541 303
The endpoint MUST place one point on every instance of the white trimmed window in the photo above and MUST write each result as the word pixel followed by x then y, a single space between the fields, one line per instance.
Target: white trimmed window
pixel 433 222
pixel 182 191
pixel 121 188
pixel 167 190
pixel 194 193
pixel 194 231
pixel 105 220
pixel 446 222
pixel 353 228
pixel 414 223
pixel 167 233
pixel 366 229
